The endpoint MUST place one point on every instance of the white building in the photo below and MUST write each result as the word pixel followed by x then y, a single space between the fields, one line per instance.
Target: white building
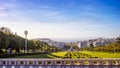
pixel 83 44
pixel 95 42
pixel 101 41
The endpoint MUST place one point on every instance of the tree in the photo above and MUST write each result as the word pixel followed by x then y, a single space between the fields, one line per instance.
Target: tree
pixel 14 42
pixel 67 46
pixel 4 41
pixel 118 40
pixel 45 46
pixel 91 47
pixel 31 45
pixel 5 30
pixel 38 44
pixel 74 46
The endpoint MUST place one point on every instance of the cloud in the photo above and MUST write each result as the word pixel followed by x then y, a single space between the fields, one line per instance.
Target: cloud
pixel 53 30
pixel 1 8
pixel 8 3
pixel 2 12
pixel 5 7
pixel 46 21
pixel 12 11
pixel 45 7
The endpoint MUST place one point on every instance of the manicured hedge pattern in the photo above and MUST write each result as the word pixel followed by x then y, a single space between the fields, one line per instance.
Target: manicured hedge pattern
pixel 77 55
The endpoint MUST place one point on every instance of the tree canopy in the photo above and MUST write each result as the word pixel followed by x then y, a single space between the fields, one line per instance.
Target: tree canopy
pixel 17 43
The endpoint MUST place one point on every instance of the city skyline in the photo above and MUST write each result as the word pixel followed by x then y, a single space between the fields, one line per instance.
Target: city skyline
pixel 62 19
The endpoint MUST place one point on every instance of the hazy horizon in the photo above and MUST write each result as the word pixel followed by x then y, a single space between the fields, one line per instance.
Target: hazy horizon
pixel 74 39
pixel 62 19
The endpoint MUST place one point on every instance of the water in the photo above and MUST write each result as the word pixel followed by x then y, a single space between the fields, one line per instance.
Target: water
pixel 59 67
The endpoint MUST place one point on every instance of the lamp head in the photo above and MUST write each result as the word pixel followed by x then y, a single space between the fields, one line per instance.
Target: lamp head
pixel 26 32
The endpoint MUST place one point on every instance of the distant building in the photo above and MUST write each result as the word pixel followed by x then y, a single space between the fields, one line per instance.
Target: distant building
pixel 96 42
pixel 101 41
pixel 83 44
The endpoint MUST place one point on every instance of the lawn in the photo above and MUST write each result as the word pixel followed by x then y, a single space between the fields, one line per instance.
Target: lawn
pixel 59 54
pixel 33 56
pixel 102 54
pixel 92 54
pixel 49 55
pixel 73 55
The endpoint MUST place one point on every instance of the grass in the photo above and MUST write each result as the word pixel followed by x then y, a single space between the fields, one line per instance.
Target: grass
pixel 93 54
pixel 102 54
pixel 34 56
pixel 60 54
pixel 50 55
pixel 82 54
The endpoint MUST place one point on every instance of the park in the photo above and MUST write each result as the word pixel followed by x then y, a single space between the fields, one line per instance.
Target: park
pixel 14 46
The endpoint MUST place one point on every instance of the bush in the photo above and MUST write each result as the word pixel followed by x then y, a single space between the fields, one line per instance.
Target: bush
pixel 23 54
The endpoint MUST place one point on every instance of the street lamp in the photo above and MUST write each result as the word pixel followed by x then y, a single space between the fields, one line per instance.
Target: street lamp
pixel 26 33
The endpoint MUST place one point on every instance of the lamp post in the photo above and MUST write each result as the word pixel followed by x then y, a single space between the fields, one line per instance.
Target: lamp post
pixel 26 33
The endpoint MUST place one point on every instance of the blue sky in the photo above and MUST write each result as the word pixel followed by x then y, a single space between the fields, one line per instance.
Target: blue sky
pixel 62 19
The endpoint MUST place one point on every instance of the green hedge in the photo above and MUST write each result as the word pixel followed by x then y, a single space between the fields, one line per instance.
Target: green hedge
pixel 23 54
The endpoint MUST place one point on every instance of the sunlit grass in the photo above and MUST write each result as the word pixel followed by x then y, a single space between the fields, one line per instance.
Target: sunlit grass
pixel 102 54
pixel 62 55
pixel 93 54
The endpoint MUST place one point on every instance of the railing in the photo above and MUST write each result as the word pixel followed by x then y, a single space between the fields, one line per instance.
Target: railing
pixel 61 63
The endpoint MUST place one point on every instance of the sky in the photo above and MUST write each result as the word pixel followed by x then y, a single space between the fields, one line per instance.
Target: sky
pixel 62 19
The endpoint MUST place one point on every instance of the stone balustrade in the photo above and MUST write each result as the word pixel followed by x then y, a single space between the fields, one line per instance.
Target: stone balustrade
pixel 61 62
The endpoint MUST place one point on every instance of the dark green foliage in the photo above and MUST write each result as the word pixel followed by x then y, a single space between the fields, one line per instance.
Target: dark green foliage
pixel 118 40
pixel 23 54
pixel 31 44
pixel 4 40
pixel 8 40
